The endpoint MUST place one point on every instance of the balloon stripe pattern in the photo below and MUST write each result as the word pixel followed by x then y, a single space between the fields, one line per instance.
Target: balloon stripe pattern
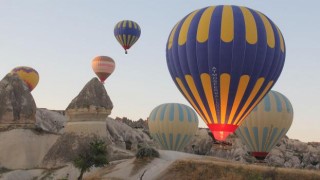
pixel 173 125
pixel 29 76
pixel 267 123
pixel 224 59
pixel 103 67
pixel 127 33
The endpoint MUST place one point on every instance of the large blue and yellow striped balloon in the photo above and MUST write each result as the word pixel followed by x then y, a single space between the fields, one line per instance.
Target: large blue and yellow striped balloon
pixel 173 125
pixel 224 59
pixel 127 33
pixel 266 124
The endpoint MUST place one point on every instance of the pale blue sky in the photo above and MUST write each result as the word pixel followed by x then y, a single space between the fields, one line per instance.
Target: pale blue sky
pixel 60 38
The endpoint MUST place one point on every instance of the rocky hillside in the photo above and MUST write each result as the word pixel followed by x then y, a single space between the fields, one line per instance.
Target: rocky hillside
pixel 289 153
pixel 54 147
pixel 143 124
pixel 46 141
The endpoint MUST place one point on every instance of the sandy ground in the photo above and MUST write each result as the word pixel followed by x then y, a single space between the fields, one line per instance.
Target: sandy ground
pixel 134 169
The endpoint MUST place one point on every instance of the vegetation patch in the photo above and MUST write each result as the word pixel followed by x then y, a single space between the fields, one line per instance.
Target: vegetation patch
pixel 4 170
pixel 92 155
pixel 147 152
pixel 209 169
pixel 143 157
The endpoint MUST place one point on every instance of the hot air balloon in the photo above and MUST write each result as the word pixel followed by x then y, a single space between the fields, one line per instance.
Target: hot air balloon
pixel 224 59
pixel 127 33
pixel 103 66
pixel 266 124
pixel 172 125
pixel 29 75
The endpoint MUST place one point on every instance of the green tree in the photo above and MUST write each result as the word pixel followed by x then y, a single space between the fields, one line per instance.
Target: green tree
pixel 94 154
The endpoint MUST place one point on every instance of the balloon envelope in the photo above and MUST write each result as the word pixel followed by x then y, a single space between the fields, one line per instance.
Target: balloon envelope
pixel 127 33
pixel 28 75
pixel 172 125
pixel 266 124
pixel 224 59
pixel 103 66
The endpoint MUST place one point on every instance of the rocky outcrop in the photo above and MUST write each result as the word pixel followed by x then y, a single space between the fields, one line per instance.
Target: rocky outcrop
pixel 86 120
pixel 50 121
pixel 289 153
pixel 200 144
pixel 17 106
pixel 126 137
pixel 293 153
pixel 65 149
pixel 141 124
pixel 121 139
pixel 92 102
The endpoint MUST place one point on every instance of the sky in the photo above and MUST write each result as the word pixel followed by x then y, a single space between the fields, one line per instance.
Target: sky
pixel 60 38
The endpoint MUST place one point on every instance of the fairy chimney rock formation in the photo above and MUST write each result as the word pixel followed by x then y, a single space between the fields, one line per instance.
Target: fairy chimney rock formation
pixel 92 103
pixel 17 106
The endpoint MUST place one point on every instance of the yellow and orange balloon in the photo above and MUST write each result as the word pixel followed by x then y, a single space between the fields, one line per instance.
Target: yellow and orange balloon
pixel 28 75
pixel 103 67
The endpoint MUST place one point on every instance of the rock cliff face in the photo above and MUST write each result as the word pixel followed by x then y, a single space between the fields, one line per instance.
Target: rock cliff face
pixel 17 106
pixel 92 102
pixel 24 148
pixel 121 139
pixel 126 137
pixel 50 121
pixel 200 144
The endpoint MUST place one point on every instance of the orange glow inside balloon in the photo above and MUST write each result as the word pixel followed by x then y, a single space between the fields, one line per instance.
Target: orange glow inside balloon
pixel 221 135
pixel 222 131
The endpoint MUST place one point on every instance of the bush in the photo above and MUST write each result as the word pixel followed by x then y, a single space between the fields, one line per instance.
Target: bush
pixel 93 154
pixel 147 152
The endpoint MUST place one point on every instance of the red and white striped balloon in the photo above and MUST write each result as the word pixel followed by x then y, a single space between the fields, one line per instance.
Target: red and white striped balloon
pixel 103 66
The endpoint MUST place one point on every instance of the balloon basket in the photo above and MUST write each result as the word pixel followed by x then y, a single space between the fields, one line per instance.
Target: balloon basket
pixel 224 145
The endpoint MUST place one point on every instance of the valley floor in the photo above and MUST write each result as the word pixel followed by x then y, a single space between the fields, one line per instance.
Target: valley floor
pixel 170 165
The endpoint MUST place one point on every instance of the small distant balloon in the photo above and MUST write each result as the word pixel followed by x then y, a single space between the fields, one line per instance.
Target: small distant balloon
pixel 266 125
pixel 28 75
pixel 173 125
pixel 103 67
pixel 127 33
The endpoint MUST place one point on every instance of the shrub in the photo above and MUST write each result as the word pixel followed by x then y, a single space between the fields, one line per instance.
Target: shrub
pixel 95 154
pixel 147 152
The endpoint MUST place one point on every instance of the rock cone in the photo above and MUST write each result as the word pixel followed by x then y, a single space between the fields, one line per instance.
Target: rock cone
pixel 92 102
pixel 17 106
